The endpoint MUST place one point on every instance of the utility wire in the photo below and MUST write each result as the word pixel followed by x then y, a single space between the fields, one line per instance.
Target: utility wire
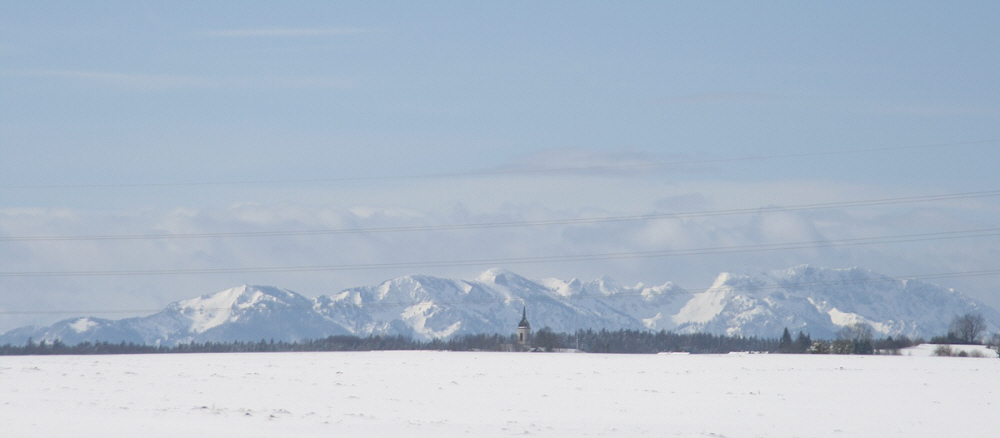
pixel 988 232
pixel 500 172
pixel 578 297
pixel 513 224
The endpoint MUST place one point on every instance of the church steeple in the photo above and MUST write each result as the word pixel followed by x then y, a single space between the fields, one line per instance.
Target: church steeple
pixel 523 328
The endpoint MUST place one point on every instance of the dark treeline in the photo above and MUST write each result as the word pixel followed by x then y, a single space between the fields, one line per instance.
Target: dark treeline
pixel 638 341
pixel 332 343
pixel 603 341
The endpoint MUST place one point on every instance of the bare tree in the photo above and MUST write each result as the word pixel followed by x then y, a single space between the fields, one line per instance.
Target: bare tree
pixel 857 337
pixel 967 328
pixel 856 332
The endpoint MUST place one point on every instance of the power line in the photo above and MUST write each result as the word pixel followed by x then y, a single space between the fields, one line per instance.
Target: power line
pixel 501 172
pixel 512 224
pixel 988 232
pixel 578 297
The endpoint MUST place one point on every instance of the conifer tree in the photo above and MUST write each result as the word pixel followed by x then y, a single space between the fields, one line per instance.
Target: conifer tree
pixel 785 344
pixel 802 342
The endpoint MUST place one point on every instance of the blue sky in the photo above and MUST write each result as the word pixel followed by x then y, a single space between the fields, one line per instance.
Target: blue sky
pixel 136 118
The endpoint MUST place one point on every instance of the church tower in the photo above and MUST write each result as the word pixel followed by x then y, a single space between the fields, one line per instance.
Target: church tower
pixel 523 329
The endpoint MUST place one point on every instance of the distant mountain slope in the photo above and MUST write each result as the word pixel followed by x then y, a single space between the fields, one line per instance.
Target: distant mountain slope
pixel 821 301
pixel 818 301
pixel 245 313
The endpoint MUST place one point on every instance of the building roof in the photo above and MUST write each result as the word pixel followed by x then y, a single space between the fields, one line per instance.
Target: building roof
pixel 524 319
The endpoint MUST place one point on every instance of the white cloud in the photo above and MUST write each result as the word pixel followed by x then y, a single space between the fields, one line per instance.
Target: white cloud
pixel 441 203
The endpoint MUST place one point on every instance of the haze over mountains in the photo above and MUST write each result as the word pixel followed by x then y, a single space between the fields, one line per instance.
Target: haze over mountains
pixel 818 301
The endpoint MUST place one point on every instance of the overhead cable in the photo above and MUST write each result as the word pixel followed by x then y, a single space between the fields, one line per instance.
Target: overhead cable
pixel 507 171
pixel 635 292
pixel 988 232
pixel 513 224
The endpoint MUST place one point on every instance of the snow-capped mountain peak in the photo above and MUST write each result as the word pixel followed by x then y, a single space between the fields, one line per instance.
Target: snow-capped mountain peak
pixel 213 310
pixel 81 325
pixel 818 301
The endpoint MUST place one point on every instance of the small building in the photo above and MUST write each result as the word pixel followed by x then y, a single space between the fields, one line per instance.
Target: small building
pixel 524 330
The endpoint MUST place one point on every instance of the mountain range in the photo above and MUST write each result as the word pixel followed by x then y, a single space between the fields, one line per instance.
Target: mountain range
pixel 817 301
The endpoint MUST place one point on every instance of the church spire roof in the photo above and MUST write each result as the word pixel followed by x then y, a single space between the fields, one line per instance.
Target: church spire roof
pixel 524 319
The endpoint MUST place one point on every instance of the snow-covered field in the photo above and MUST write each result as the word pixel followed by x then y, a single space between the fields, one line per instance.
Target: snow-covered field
pixel 497 394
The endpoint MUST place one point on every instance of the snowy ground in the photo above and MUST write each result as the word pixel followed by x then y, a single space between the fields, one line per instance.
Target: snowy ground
pixel 497 394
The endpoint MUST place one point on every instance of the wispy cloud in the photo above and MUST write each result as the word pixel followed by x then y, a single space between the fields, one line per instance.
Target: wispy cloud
pixel 926 110
pixel 286 32
pixel 586 161
pixel 717 97
pixel 117 79
pixel 301 82
pixel 170 81
pixel 575 159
